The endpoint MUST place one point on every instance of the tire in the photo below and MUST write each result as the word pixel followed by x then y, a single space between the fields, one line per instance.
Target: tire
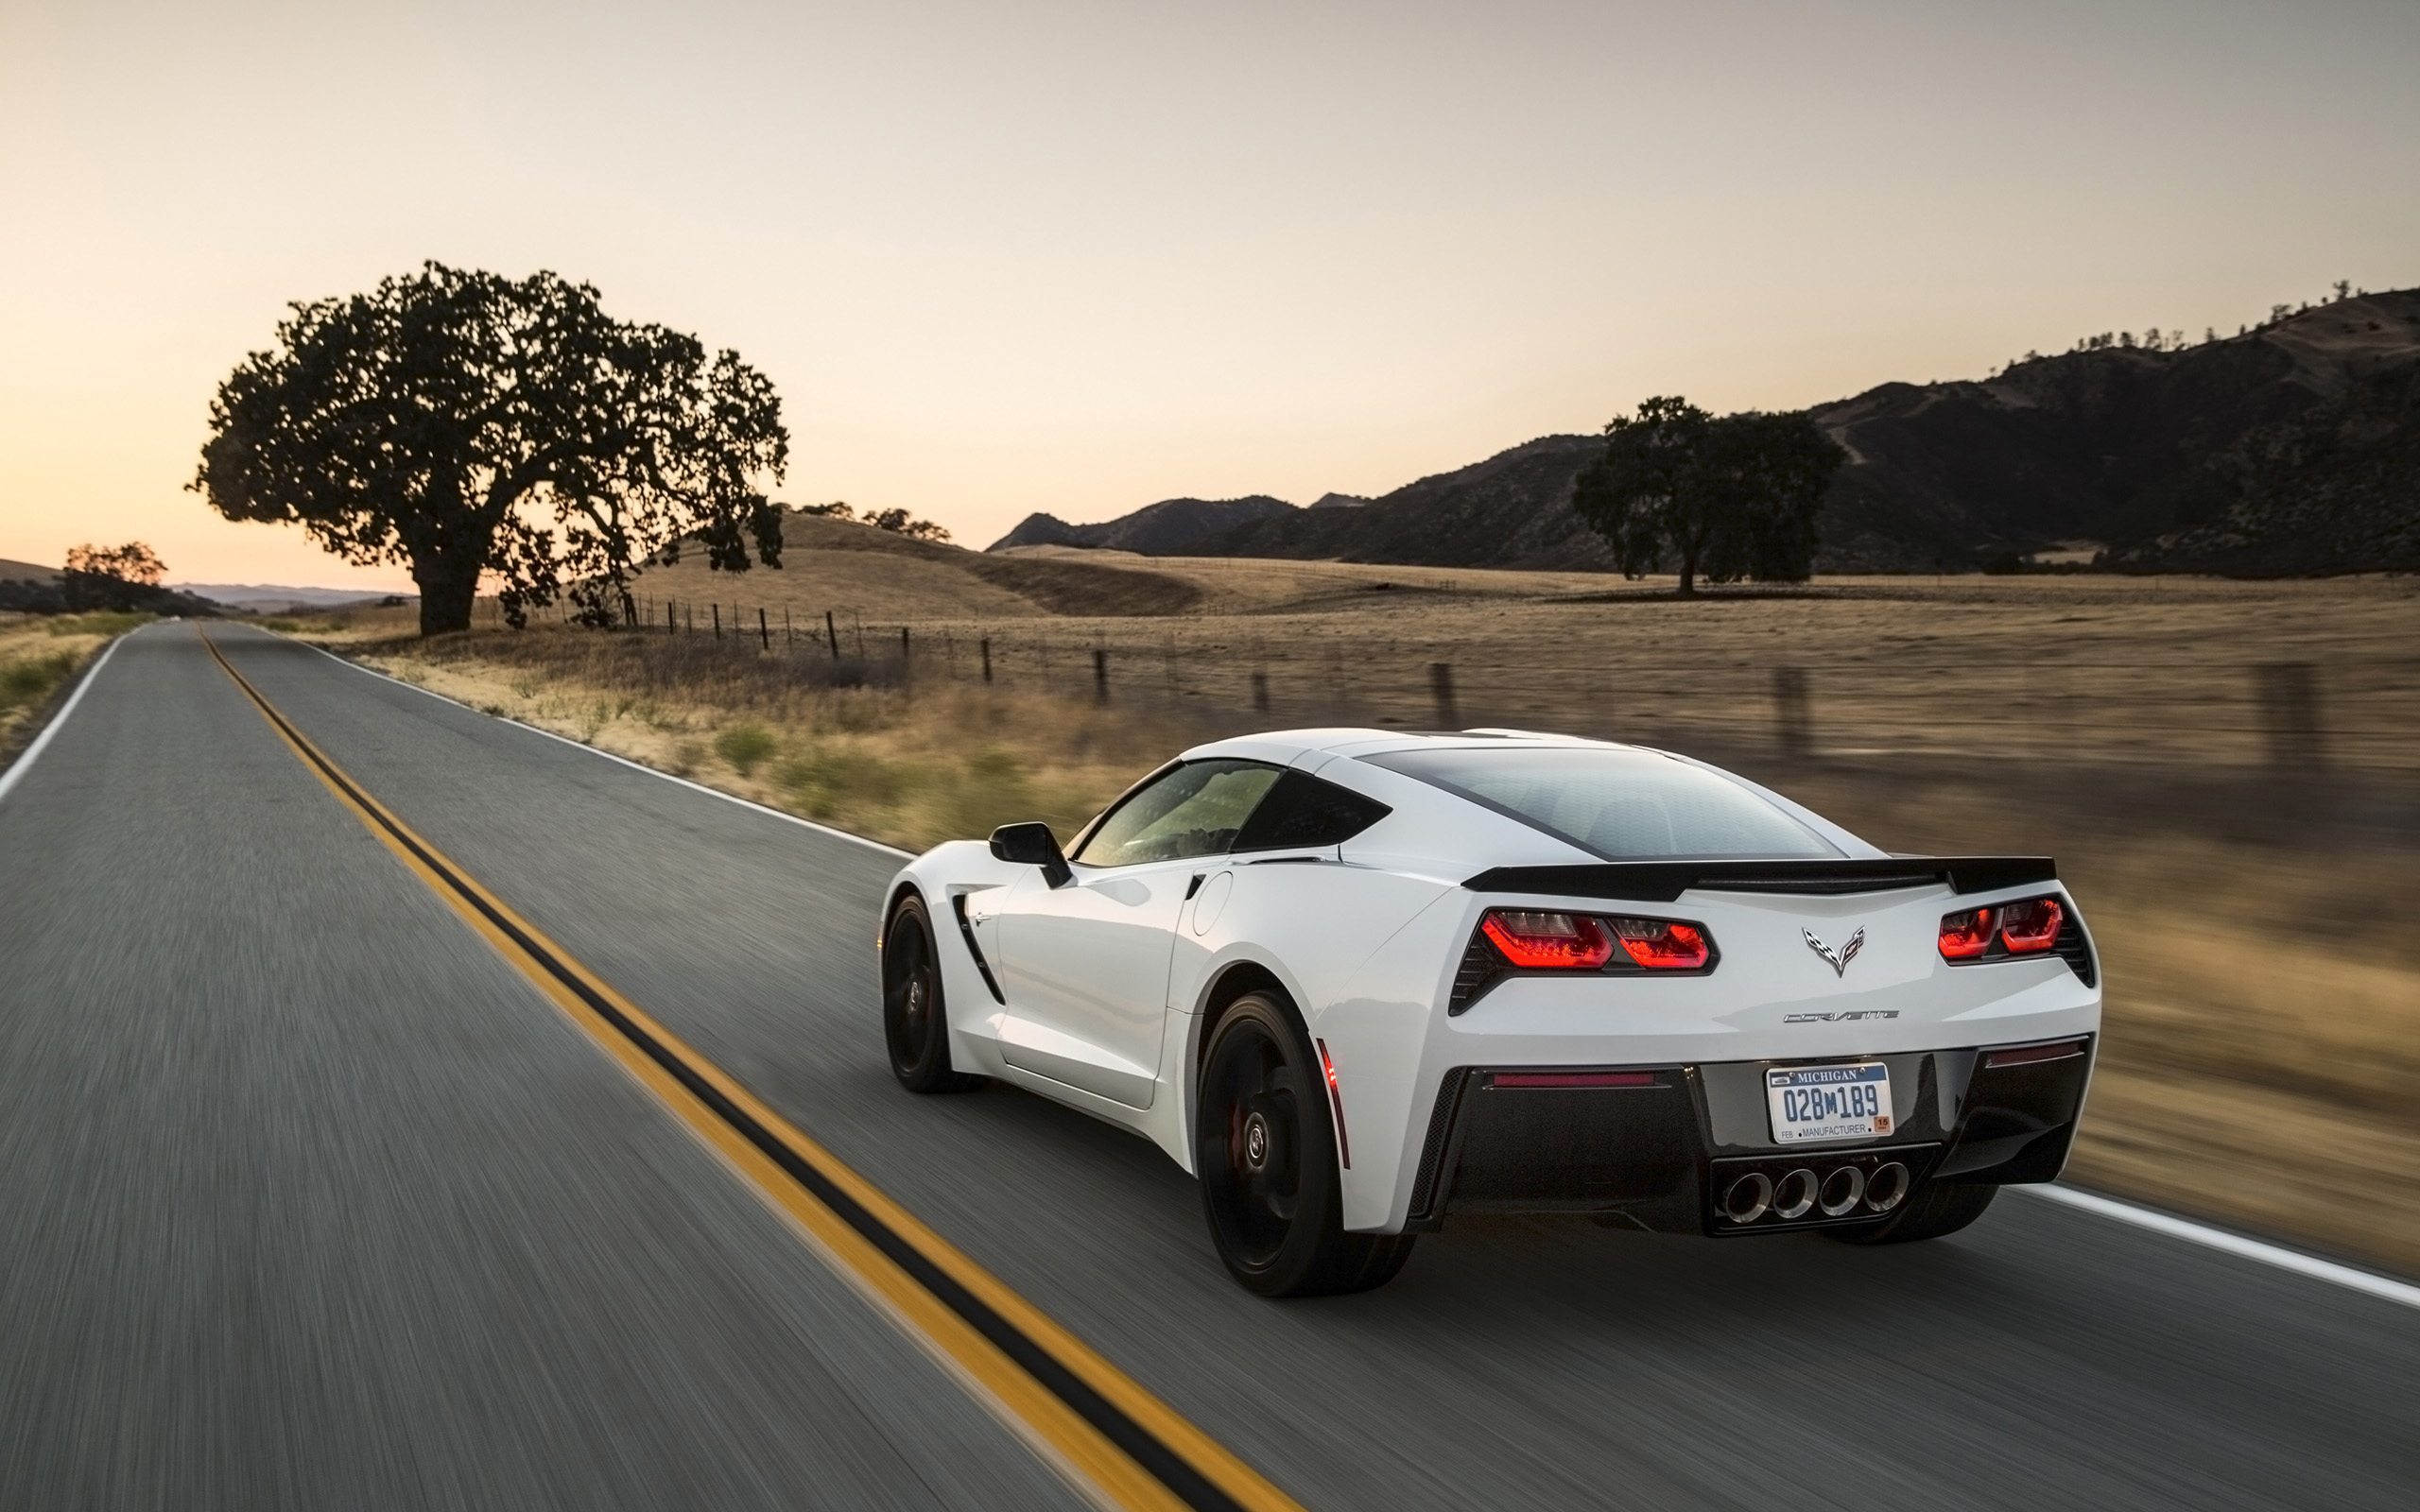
pixel 915 1020
pixel 1265 1152
pixel 1941 1208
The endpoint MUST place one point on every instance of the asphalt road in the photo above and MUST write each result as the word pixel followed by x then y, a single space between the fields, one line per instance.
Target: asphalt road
pixel 311 1201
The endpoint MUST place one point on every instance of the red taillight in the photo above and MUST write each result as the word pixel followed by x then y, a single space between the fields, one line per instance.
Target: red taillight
pixel 1965 936
pixel 1549 942
pixel 1538 940
pixel 1661 945
pixel 2031 926
pixel 2027 928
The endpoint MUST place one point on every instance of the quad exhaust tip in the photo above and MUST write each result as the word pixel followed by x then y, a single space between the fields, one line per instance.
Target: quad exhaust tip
pixel 1794 1195
pixel 1842 1191
pixel 1887 1188
pixel 1749 1198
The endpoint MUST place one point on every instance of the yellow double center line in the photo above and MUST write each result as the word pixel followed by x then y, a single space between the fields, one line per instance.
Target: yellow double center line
pixel 1125 1445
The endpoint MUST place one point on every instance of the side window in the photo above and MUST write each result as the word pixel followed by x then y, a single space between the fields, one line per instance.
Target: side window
pixel 1305 811
pixel 1193 811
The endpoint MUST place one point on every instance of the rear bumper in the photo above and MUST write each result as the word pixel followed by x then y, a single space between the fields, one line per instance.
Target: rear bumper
pixel 1660 1152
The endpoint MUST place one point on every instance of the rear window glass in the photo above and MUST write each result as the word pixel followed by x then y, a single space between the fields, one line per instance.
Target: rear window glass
pixel 1623 805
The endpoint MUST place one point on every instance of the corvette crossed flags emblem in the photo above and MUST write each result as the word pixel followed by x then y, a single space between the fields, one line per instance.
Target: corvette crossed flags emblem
pixel 1838 959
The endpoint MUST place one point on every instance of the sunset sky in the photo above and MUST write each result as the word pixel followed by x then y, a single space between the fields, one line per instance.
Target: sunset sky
pixel 1080 257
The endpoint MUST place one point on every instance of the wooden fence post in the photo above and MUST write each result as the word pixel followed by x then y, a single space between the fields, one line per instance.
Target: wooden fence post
pixel 764 632
pixel 1260 691
pixel 2290 714
pixel 987 659
pixel 1100 675
pixel 832 633
pixel 717 621
pixel 1440 689
pixel 1793 727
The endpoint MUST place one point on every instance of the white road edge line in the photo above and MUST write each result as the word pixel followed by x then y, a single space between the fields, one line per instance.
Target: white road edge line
pixel 2220 1238
pixel 2385 1287
pixel 636 766
pixel 24 760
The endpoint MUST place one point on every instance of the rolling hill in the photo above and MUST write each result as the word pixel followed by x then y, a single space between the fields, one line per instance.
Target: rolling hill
pixel 850 568
pixel 1168 528
pixel 2291 449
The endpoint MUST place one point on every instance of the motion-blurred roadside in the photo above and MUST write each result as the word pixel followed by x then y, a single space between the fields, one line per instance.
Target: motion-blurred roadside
pixel 2228 773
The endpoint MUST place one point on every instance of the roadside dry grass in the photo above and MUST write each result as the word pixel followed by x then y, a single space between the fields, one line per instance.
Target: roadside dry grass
pixel 2263 981
pixel 39 653
pixel 908 764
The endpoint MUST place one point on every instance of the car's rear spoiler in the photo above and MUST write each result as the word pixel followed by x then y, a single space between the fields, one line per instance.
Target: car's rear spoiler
pixel 1663 881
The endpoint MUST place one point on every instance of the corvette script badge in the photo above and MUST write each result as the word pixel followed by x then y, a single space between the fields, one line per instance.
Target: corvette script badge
pixel 1838 959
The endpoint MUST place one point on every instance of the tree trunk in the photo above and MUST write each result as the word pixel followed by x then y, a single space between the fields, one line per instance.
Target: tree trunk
pixel 447 591
pixel 1689 573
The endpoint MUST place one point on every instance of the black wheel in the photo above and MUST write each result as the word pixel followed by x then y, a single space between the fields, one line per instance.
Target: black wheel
pixel 1941 1208
pixel 1266 1154
pixel 913 1022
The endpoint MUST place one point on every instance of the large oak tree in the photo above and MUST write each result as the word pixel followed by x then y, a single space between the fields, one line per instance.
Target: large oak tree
pixel 463 424
pixel 1720 498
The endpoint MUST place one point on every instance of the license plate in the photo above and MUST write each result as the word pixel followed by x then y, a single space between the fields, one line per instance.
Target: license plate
pixel 1810 1103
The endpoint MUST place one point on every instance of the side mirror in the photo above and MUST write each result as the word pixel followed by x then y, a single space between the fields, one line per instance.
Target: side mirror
pixel 1032 845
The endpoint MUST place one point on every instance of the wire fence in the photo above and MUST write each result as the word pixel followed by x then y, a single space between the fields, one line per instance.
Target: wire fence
pixel 2355 709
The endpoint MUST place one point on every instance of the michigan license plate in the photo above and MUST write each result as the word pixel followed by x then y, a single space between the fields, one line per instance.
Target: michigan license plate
pixel 1812 1103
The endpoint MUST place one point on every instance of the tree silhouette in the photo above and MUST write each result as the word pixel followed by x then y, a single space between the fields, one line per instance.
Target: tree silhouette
pixel 116 578
pixel 469 424
pixel 1727 499
pixel 133 562
pixel 900 521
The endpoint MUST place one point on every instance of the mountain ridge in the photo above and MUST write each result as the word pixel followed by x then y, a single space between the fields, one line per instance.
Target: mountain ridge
pixel 2288 449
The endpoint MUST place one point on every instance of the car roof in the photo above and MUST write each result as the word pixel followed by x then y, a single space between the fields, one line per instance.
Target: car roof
pixel 1291 746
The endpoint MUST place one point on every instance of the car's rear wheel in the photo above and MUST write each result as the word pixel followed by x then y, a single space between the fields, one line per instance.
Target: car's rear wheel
pixel 914 1023
pixel 1266 1154
pixel 1942 1208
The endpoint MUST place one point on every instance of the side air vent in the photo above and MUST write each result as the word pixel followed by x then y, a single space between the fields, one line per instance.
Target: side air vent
pixel 1482 965
pixel 1432 1149
pixel 2074 948
pixel 966 932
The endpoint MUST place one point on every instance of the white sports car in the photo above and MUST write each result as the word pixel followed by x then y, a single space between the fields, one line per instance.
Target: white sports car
pixel 1357 981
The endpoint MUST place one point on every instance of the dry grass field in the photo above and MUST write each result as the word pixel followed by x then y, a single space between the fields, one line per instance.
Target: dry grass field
pixel 2139 670
pixel 39 653
pixel 2244 859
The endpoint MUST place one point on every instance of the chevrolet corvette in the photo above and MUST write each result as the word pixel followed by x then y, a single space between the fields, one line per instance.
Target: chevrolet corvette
pixel 1356 982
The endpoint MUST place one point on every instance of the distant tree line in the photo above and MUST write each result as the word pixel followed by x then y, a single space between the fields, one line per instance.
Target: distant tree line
pixel 898 522
pixel 126 579
pixel 2153 340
